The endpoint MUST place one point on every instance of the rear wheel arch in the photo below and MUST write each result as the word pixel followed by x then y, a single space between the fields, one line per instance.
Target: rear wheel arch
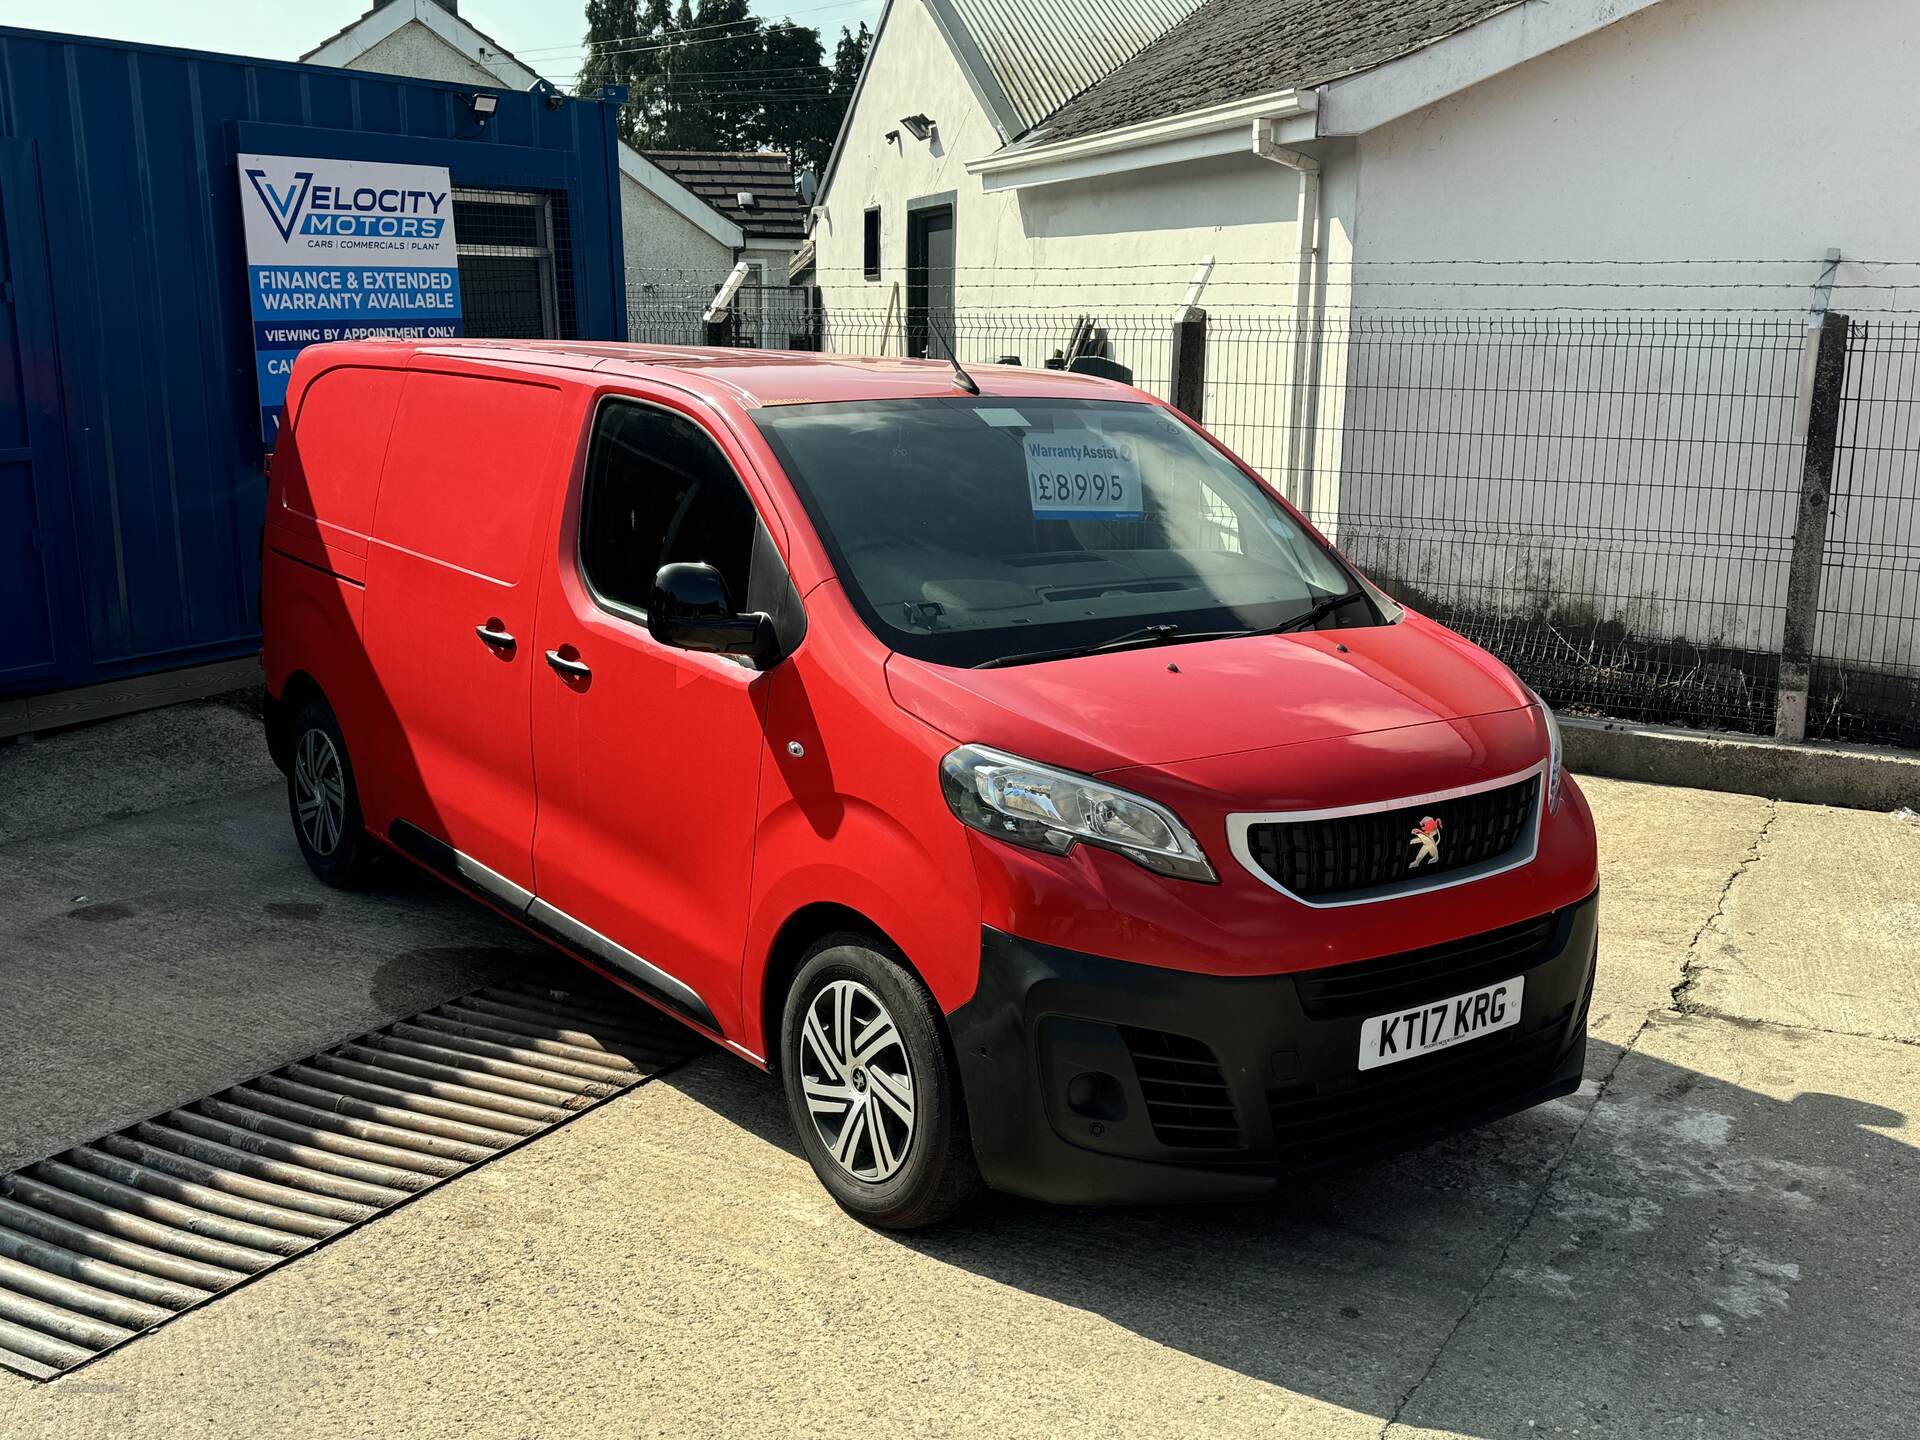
pixel 300 687
pixel 323 799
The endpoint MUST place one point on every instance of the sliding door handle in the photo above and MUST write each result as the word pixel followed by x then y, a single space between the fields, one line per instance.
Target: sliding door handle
pixel 568 669
pixel 497 638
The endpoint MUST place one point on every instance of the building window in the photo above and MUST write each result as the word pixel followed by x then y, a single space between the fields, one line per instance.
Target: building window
pixel 507 283
pixel 870 245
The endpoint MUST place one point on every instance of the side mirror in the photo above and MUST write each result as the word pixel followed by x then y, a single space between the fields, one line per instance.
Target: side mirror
pixel 690 609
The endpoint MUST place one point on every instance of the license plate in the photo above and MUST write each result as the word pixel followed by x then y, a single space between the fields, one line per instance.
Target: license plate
pixel 1406 1033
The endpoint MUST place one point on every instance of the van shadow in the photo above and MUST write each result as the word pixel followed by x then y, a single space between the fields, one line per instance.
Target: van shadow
pixel 1682 1247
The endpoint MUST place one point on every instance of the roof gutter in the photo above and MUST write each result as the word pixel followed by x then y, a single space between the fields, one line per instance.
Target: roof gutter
pixel 1216 130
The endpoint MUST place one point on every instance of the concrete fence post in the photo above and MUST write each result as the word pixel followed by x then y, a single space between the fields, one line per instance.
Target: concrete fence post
pixel 1829 377
pixel 1187 374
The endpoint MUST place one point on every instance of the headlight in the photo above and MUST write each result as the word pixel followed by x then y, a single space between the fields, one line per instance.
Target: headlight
pixel 1046 809
pixel 1556 767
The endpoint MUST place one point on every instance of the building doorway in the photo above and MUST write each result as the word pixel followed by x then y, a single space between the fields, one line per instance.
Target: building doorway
pixel 930 282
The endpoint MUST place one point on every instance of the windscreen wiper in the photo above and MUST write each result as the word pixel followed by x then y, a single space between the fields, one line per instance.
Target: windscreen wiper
pixel 1315 613
pixel 1129 640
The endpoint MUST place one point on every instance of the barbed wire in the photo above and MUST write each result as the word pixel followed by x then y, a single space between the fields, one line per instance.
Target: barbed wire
pixel 1516 285
pixel 1186 268
pixel 1158 315
pixel 586 45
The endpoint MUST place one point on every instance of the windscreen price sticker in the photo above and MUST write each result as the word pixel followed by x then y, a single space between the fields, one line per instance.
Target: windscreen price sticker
pixel 1081 475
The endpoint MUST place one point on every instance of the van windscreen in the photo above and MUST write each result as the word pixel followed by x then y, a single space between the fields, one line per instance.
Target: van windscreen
pixel 974 530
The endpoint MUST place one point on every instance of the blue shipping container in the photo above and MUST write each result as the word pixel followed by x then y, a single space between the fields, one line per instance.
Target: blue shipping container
pixel 130 460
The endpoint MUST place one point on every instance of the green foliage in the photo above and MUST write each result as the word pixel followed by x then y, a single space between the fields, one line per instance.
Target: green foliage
pixel 848 56
pixel 713 76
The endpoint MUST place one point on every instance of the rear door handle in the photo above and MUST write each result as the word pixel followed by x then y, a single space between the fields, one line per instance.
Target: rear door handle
pixel 568 669
pixel 498 639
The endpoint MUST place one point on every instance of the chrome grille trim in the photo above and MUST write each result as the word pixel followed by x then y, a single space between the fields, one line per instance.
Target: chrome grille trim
pixel 1241 822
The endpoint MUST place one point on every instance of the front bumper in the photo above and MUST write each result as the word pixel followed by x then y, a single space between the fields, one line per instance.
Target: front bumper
pixel 1092 1081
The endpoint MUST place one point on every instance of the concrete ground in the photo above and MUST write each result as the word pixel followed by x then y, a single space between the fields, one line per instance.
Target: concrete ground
pixel 1715 1238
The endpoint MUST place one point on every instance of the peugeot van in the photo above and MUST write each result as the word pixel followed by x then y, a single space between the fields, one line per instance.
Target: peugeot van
pixel 993 757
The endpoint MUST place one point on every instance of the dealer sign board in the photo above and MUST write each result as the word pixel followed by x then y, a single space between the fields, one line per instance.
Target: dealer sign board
pixel 343 250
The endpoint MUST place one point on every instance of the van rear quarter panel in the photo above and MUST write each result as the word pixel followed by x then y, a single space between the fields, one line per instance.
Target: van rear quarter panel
pixel 320 502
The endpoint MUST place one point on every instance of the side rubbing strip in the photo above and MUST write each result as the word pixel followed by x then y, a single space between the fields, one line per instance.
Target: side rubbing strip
pixel 436 854
pixel 644 973
pixel 102 1242
pixel 565 931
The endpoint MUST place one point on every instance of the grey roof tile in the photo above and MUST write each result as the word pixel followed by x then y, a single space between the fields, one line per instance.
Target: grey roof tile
pixel 720 176
pixel 1232 49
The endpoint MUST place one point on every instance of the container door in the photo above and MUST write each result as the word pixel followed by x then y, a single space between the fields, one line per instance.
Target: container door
pixel 32 447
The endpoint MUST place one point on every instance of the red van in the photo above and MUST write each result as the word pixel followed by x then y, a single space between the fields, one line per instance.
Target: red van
pixel 994 758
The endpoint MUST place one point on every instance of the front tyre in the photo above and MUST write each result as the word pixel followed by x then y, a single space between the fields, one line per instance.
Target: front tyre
pixel 323 801
pixel 872 1089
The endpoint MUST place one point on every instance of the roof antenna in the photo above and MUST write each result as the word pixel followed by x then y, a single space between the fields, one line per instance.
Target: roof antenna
pixel 960 377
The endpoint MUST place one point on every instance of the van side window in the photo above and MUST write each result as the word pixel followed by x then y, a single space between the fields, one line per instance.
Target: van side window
pixel 658 490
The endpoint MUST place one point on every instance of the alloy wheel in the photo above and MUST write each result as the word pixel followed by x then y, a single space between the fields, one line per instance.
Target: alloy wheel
pixel 857 1080
pixel 319 791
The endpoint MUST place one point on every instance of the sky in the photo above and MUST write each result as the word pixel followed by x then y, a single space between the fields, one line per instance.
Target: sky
pixel 544 34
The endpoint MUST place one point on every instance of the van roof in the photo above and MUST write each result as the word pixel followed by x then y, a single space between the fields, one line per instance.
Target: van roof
pixel 760 377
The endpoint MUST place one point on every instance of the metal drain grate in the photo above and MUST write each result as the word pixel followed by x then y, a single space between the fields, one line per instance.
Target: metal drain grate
pixel 109 1239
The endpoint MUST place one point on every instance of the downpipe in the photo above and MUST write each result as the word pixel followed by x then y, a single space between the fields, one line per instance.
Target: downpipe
pixel 1299 456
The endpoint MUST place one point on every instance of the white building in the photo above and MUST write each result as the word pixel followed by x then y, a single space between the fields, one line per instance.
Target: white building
pixel 1341 173
pixel 675 239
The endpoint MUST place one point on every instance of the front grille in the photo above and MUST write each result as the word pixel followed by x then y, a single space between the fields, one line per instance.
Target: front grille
pixel 1312 1124
pixel 1187 1100
pixel 1416 977
pixel 1313 858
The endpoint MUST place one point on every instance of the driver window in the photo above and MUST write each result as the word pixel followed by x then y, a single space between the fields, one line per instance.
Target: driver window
pixel 658 490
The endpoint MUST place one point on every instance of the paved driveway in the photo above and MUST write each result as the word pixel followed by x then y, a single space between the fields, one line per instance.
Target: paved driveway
pixel 1714 1238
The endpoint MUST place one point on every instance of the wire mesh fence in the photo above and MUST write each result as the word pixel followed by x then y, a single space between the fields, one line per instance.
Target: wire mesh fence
pixel 1866 670
pixel 770 317
pixel 1607 501
pixel 793 317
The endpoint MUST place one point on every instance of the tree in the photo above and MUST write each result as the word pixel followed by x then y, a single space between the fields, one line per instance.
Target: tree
pixel 795 104
pixel 848 58
pixel 625 40
pixel 709 75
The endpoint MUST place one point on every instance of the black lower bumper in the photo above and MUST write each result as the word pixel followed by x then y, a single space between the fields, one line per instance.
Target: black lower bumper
pixel 1091 1080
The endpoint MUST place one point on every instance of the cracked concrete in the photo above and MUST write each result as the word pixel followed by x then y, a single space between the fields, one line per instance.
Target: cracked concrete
pixel 1751 1284
pixel 1689 964
pixel 1713 1236
pixel 1600 1080
pixel 1855 971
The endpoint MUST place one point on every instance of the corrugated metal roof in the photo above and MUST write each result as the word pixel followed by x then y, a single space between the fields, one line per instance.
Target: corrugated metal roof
pixel 1045 52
